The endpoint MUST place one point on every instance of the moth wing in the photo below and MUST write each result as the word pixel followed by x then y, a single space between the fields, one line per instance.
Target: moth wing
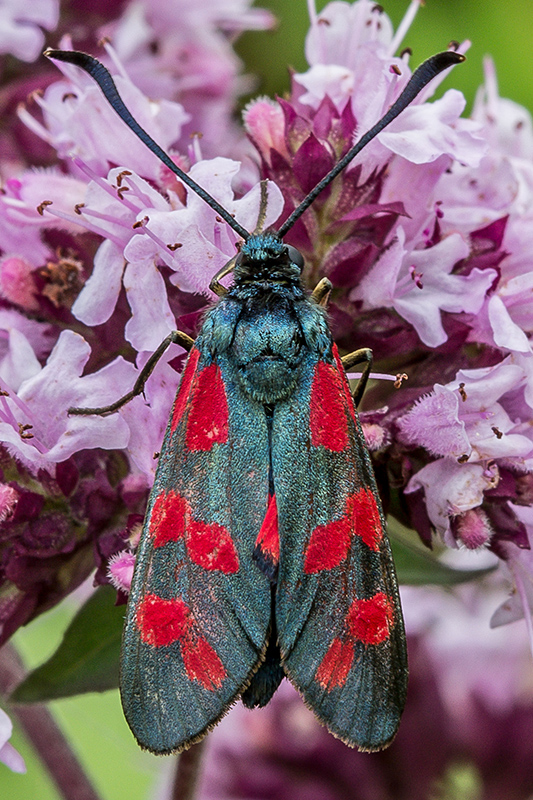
pixel 199 609
pixel 339 619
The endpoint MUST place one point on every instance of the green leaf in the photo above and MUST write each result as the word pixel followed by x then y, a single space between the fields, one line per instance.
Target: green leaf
pixel 87 658
pixel 418 566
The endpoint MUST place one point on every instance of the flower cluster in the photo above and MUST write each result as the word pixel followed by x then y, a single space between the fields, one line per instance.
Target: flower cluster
pixel 426 239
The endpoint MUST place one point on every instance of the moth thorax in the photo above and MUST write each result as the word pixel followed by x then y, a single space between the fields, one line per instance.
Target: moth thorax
pixel 268 380
pixel 267 350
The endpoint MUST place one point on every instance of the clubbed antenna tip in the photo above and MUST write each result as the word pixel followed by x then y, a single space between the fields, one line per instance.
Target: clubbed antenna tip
pixel 419 79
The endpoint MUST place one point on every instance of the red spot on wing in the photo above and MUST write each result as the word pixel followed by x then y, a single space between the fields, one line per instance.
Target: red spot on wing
pixel 344 381
pixel 367 518
pixel 184 391
pixel 162 622
pixel 370 621
pixel 202 663
pixel 211 547
pixel 208 544
pixel 207 423
pixel 329 544
pixel 168 520
pixel 267 542
pixel 328 421
pixel 336 665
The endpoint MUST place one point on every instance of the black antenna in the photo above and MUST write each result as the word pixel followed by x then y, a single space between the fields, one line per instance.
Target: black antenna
pixel 426 71
pixel 106 83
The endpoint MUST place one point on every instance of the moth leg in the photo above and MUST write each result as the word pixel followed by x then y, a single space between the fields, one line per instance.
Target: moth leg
pixel 215 284
pixel 322 291
pixel 176 337
pixel 362 356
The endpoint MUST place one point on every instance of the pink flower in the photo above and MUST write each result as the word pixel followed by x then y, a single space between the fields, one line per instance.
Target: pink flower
pixel 121 570
pixel 21 23
pixel 34 422
pixel 464 419
pixel 420 284
pixel 146 230
pixel 78 121
pixel 181 51
pixel 451 489
pixel 467 423
pixel 22 213
pixel 8 755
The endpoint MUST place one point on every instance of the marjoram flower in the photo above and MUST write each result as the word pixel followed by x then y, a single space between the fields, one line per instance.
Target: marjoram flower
pixel 426 238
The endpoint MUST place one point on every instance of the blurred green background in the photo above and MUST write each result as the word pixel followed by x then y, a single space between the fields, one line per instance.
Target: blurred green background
pixel 501 29
pixel 94 723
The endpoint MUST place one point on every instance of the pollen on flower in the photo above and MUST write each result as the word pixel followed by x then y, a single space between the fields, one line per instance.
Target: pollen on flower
pixel 416 277
pixel 64 279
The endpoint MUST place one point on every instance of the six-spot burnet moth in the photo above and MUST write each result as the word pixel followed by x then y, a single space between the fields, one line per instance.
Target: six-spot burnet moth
pixel 264 552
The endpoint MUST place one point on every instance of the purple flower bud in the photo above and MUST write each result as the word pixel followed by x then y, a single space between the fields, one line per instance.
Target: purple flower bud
pixel 472 528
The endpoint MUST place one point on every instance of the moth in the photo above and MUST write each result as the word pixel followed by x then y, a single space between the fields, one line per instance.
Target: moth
pixel 264 552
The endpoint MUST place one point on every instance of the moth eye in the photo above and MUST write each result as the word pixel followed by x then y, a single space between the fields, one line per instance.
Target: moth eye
pixel 295 256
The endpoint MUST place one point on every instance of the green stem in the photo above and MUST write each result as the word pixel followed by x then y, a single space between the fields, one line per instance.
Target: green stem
pixel 44 734
pixel 188 772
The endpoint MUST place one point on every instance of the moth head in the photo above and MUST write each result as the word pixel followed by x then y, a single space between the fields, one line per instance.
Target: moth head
pixel 265 257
